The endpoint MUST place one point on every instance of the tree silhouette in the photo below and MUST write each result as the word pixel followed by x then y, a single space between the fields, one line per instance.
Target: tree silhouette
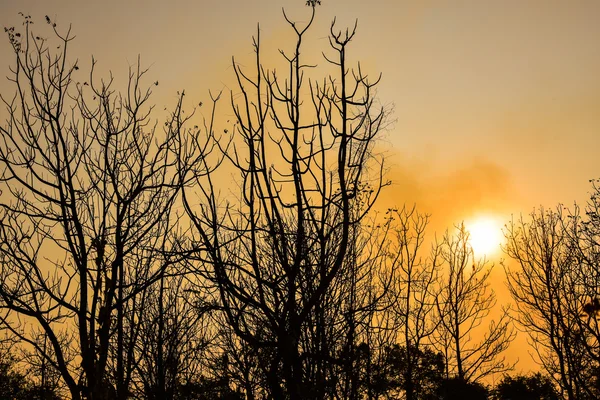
pixel 86 212
pixel 463 303
pixel 526 387
pixel 458 389
pixel 16 384
pixel 171 340
pixel 282 258
pixel 554 286
pixel 401 371
pixel 128 272
pixel 417 286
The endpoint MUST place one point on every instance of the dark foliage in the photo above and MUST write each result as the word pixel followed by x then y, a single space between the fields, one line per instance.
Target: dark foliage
pixel 526 387
pixel 207 389
pixel 458 389
pixel 427 371
pixel 14 385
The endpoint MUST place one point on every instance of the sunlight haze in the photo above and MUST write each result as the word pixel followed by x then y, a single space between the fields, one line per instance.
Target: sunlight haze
pixel 485 236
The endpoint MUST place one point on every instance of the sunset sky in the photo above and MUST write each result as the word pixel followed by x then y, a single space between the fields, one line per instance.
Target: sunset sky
pixel 496 103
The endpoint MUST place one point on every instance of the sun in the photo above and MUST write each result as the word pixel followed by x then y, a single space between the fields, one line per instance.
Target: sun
pixel 485 236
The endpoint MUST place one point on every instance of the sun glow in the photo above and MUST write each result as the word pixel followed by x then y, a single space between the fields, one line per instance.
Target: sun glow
pixel 485 236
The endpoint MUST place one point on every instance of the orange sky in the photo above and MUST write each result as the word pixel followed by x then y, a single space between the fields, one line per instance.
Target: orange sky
pixel 507 91
pixel 497 103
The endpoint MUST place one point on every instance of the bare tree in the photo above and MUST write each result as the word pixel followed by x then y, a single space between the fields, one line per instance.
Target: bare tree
pixel 463 304
pixel 555 288
pixel 173 338
pixel 351 327
pixel 416 289
pixel 45 378
pixel 88 187
pixel 307 177
pixel 583 231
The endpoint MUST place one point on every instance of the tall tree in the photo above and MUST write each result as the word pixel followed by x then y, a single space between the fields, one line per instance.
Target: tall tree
pixel 307 178
pixel 88 185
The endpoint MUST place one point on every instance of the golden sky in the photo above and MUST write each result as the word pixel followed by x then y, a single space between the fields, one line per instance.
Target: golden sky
pixel 497 103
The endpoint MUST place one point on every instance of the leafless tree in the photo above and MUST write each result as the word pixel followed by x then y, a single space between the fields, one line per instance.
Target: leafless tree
pixel 37 368
pixel 416 289
pixel 583 231
pixel 351 327
pixel 555 288
pixel 464 304
pixel 307 178
pixel 171 338
pixel 88 186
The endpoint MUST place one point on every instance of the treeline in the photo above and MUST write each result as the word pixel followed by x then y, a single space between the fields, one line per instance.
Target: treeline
pixel 388 383
pixel 184 261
